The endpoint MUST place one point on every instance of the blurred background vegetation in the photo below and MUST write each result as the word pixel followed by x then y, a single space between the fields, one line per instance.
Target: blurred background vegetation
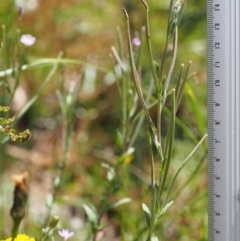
pixel 85 30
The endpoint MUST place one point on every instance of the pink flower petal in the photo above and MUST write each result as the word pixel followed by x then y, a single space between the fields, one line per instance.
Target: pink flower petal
pixel 27 39
pixel 136 42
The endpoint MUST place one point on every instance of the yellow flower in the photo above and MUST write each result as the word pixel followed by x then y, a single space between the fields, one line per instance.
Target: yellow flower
pixel 21 237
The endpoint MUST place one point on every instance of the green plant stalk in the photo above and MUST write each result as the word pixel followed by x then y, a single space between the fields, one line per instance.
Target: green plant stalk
pixel 120 43
pixel 67 110
pixel 119 59
pixel 124 110
pixel 179 82
pixel 16 75
pixel 114 72
pixel 5 56
pixel 139 114
pixel 135 74
pixel 140 117
pixel 161 99
pixel 175 42
pixel 179 90
pixel 182 165
pixel 4 48
pixel 168 154
pixel 43 238
pixel 153 204
pixel 183 82
pixel 15 228
pixel 148 37
pixel 123 89
pixel 166 45
pixel 44 62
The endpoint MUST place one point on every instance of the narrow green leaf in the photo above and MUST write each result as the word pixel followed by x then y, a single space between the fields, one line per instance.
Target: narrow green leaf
pixel 164 209
pixel 121 202
pixel 111 173
pixel 147 214
pixel 91 214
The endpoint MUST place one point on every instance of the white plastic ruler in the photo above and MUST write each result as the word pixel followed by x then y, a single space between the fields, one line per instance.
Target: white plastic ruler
pixel 223 27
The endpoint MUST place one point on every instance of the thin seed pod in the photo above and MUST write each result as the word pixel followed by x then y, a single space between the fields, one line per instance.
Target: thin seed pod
pixel 135 73
pixel 170 141
pixel 172 62
pixel 148 38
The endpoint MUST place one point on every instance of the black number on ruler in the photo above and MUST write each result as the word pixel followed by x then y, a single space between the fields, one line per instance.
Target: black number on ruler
pixel 217 159
pixel 216 141
pixel 217 232
pixel 217 104
pixel 218 214
pixel 217 178
pixel 217 82
pixel 217 7
pixel 217 26
pixel 217 196
pixel 217 123
pixel 217 45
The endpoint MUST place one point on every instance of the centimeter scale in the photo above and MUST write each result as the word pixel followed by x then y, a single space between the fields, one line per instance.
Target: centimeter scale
pixel 223 26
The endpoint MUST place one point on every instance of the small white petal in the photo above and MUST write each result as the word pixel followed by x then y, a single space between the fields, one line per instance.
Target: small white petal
pixel 136 42
pixel 27 39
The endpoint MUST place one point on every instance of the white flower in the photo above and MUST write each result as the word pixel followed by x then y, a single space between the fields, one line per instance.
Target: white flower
pixel 26 5
pixel 136 42
pixel 65 234
pixel 27 39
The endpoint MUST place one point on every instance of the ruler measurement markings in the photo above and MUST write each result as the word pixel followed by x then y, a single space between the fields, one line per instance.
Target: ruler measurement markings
pixel 224 119
pixel 215 122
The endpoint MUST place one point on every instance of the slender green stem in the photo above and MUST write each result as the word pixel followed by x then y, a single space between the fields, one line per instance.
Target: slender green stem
pixel 5 57
pixel 174 55
pixel 148 37
pixel 153 188
pixel 120 43
pixel 184 80
pixel 45 62
pixel 135 74
pixel 15 228
pixel 166 45
pixel 119 59
pixel 179 82
pixel 170 140
pixel 163 61
pixel 159 119
pixel 140 116
pixel 124 90
pixel 151 158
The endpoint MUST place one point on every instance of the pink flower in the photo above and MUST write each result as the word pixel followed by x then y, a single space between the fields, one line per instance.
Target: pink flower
pixel 27 39
pixel 136 42
pixel 65 234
